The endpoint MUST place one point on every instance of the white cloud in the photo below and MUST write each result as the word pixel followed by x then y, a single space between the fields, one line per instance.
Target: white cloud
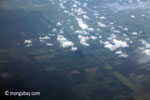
pixel 44 38
pixel 144 55
pixel 59 23
pixel 147 52
pixel 81 24
pixel 84 4
pixel 116 31
pixel 126 29
pixel 85 17
pixel 74 5
pixel 116 44
pixel 142 15
pixel 145 43
pixel 74 48
pixel 146 48
pixel 49 44
pixel 102 17
pixel 113 36
pixel 54 30
pixel 28 45
pixel 134 33
pixel 67 44
pixel 28 41
pixel 91 29
pixel 61 5
pixel 96 14
pixel 83 40
pixel 66 11
pixel 131 6
pixel 82 32
pixel 119 43
pixel 72 27
pixel 111 23
pixel 61 31
pixel 100 24
pixel 121 54
pixel 109 46
pixel 118 52
pixel 78 10
pixel 93 37
pixel 100 36
pixel 64 42
pixel 132 16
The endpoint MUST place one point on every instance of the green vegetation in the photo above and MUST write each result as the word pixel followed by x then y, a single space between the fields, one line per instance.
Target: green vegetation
pixel 44 58
pixel 6 75
pixel 12 55
pixel 108 67
pixel 123 80
pixel 140 98
pixel 49 69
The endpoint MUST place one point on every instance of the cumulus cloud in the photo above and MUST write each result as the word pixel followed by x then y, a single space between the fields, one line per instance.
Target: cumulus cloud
pixel 145 43
pixel 81 24
pixel 83 40
pixel 85 17
pixel 78 10
pixel 49 44
pixel 146 48
pixel 116 31
pixel 28 43
pixel 121 54
pixel 67 44
pixel 61 31
pixel 134 33
pixel 82 32
pixel 147 52
pixel 91 29
pixel 119 43
pixel 59 23
pixel 84 4
pixel 132 6
pixel 64 42
pixel 102 17
pixel 100 24
pixel 142 15
pixel 126 29
pixel 93 37
pixel 144 55
pixel 113 36
pixel 109 46
pixel 116 44
pixel 74 5
pixel 42 39
pixel 144 52
pixel 61 5
pixel 54 30
pixel 74 48
pixel 132 16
